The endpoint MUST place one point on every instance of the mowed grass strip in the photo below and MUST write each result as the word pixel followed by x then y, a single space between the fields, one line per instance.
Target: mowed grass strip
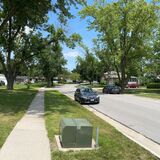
pixel 13 105
pixel 113 145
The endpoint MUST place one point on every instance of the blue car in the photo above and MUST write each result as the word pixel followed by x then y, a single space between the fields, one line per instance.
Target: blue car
pixel 112 89
pixel 86 96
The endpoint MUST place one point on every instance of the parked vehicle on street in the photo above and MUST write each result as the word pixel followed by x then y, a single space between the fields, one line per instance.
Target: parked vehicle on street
pixel 133 82
pixel 85 95
pixel 111 89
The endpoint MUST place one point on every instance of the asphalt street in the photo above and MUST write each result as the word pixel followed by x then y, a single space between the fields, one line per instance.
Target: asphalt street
pixel 138 113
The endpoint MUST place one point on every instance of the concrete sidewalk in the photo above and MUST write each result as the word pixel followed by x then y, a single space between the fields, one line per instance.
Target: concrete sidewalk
pixel 28 140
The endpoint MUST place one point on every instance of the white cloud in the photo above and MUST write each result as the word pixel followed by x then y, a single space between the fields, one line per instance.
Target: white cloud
pixel 71 54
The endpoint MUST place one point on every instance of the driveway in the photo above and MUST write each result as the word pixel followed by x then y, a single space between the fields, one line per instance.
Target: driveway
pixel 137 113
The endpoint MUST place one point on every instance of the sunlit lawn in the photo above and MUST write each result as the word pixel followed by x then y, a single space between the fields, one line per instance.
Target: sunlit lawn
pixel 113 145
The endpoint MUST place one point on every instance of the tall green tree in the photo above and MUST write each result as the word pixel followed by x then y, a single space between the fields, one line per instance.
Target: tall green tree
pixel 75 77
pixel 13 33
pixel 30 9
pixel 15 16
pixel 125 28
pixel 51 62
pixel 15 53
pixel 87 66
pixel 51 59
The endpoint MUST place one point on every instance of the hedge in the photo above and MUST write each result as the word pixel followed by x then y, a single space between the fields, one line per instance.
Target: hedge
pixel 153 85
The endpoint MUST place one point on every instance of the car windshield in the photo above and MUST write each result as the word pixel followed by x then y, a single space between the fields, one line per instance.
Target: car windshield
pixel 109 86
pixel 86 90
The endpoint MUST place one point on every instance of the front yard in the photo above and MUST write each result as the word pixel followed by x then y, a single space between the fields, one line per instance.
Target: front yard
pixel 13 105
pixel 113 145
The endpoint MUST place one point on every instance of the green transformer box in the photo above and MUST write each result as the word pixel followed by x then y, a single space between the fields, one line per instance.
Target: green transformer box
pixel 75 133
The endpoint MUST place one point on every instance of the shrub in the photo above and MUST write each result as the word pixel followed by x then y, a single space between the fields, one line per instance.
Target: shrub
pixel 153 85
pixel 103 82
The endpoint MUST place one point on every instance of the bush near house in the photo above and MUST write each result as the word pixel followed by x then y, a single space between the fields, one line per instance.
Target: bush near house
pixel 153 85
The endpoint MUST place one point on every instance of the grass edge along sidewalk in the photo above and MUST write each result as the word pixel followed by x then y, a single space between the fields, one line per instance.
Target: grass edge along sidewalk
pixel 113 145
pixel 13 105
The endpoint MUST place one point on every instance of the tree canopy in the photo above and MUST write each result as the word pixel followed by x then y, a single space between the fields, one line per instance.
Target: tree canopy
pixel 125 31
pixel 16 45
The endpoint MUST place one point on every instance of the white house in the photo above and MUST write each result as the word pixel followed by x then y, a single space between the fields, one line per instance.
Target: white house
pixel 111 77
pixel 3 78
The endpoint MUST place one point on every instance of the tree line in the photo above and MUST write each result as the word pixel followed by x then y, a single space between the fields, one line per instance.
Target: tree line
pixel 128 40
pixel 20 50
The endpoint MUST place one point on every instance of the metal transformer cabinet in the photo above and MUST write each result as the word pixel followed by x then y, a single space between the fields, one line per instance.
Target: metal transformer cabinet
pixel 75 133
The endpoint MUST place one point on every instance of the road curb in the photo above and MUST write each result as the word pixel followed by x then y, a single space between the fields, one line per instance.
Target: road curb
pixel 138 138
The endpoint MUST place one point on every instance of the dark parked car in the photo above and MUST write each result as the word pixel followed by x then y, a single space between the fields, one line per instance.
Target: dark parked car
pixel 86 96
pixel 113 89
pixel 2 83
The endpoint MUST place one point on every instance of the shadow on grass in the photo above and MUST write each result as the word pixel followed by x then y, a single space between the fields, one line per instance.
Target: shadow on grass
pixel 58 103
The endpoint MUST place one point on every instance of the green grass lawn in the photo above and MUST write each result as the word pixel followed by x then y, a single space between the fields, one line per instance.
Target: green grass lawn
pixel 150 93
pixel 21 86
pixel 113 145
pixel 13 105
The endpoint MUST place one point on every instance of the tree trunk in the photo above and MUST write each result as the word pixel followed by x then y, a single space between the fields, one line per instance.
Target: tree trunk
pixel 10 83
pixel 52 82
pixel 90 82
pixel 49 84
pixel 10 80
pixel 123 74
pixel 9 68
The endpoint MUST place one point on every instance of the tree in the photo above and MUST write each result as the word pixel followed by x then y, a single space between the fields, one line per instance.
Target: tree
pixel 105 63
pixel 74 76
pixel 51 60
pixel 23 10
pixel 125 28
pixel 15 16
pixel 154 63
pixel 87 66
pixel 51 63
pixel 15 53
pixel 13 31
pixel 1 69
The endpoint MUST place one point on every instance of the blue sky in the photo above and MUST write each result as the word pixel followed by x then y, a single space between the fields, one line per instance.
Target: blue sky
pixel 79 26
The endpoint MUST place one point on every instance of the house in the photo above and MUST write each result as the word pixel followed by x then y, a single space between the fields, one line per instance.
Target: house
pixel 112 77
pixel 21 79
